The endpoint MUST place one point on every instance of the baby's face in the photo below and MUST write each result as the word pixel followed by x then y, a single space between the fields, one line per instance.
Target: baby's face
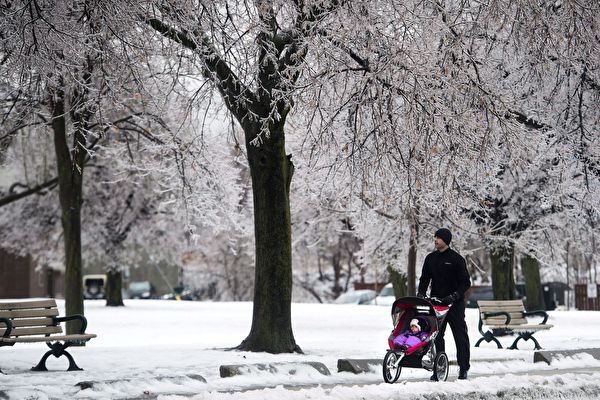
pixel 414 328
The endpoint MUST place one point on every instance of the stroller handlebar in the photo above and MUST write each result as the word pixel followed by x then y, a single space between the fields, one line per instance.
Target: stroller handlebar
pixel 436 301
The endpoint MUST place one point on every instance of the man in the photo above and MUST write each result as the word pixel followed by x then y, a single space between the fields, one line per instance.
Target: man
pixel 446 270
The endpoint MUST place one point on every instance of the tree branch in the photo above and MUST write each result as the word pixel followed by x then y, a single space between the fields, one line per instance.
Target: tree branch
pixel 370 205
pixel 36 189
pixel 235 94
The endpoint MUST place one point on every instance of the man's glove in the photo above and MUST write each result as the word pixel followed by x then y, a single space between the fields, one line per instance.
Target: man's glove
pixel 420 295
pixel 451 298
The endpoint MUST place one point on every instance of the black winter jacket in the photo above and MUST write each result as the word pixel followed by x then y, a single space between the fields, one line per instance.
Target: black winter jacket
pixel 447 272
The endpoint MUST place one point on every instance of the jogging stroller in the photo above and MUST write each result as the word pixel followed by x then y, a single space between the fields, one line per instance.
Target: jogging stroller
pixel 430 314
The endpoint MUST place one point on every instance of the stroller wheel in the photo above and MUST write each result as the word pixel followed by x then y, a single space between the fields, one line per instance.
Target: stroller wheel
pixel 391 367
pixel 440 366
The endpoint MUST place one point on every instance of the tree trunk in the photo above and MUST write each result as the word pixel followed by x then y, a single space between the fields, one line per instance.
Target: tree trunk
pixel 503 281
pixel 566 256
pixel 398 282
pixel 70 174
pixel 411 274
pixel 533 284
pixel 336 263
pixel 112 290
pixel 271 172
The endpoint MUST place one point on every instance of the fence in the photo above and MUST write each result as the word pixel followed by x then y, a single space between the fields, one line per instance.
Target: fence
pixel 586 297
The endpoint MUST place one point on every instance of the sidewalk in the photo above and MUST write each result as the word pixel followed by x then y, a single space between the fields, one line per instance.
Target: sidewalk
pixel 194 386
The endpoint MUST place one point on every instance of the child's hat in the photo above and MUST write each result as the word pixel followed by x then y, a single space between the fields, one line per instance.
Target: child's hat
pixel 415 322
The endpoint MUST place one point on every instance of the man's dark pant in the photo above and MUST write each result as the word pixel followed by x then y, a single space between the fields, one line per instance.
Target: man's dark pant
pixel 456 319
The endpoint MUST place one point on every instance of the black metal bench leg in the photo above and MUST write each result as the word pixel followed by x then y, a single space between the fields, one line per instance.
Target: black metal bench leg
pixel 72 365
pixel 537 345
pixel 41 366
pixel 488 337
pixel 57 350
pixel 525 336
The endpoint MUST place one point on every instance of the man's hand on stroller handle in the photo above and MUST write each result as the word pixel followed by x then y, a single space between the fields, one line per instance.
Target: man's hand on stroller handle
pixel 444 301
pixel 451 298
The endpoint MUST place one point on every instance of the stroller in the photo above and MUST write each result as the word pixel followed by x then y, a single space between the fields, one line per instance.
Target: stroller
pixel 430 314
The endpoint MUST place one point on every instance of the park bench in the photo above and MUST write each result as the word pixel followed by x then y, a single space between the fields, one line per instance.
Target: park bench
pixel 503 317
pixel 38 321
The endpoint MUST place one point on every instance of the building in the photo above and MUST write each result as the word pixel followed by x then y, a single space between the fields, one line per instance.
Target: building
pixel 21 278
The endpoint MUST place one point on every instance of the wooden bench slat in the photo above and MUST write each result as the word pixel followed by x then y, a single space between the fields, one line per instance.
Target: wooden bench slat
pixel 524 327
pixel 32 331
pixel 502 317
pixel 511 313
pixel 501 303
pixel 32 322
pixel 33 339
pixel 50 312
pixel 50 303
pixel 532 327
pixel 497 308
pixel 502 321
pixel 501 307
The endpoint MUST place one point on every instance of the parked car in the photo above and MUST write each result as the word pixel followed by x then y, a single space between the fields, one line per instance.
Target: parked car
pixel 364 296
pixel 486 292
pixel 181 294
pixel 476 293
pixel 386 296
pixel 93 286
pixel 141 290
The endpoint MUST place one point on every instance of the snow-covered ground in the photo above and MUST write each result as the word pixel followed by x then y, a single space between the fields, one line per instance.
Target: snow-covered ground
pixel 157 349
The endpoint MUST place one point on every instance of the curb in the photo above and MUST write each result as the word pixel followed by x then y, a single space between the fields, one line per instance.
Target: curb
pixel 358 366
pixel 290 368
pixel 547 355
pixel 90 384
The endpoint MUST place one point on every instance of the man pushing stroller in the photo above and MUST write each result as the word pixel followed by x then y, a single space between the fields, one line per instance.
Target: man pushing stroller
pixel 447 273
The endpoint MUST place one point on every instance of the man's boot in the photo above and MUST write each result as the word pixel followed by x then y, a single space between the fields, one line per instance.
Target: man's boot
pixel 462 374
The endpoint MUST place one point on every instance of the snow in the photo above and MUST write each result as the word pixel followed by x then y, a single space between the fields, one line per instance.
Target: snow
pixel 157 349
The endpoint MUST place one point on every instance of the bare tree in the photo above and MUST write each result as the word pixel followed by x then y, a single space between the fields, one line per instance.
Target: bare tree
pixel 59 74
pixel 253 53
pixel 438 114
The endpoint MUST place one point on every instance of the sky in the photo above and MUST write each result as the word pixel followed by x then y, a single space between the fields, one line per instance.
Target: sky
pixel 158 349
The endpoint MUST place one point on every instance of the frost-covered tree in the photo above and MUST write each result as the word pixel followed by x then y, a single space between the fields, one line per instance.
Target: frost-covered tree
pixel 135 200
pixel 53 73
pixel 402 124
pixel 408 92
pixel 406 109
pixel 455 102
pixel 394 77
pixel 548 65
pixel 253 53
pixel 66 76
pixel 327 247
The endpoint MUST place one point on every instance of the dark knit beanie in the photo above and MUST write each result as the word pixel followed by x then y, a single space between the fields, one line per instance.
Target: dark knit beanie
pixel 444 234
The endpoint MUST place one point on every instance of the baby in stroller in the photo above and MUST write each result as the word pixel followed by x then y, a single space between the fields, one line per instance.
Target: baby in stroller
pixel 410 337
